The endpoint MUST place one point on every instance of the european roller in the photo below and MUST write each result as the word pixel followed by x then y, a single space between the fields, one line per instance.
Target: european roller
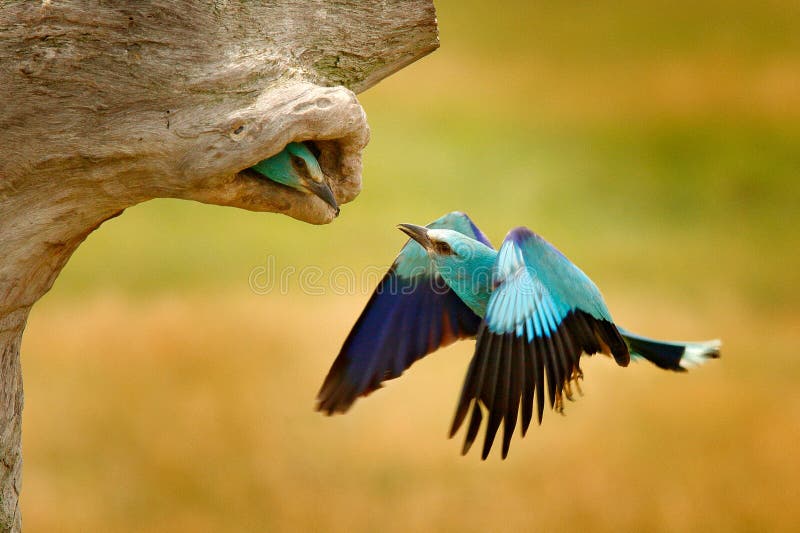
pixel 533 313
pixel 295 166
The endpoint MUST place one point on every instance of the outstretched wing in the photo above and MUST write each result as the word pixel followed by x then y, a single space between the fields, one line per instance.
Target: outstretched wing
pixel 411 313
pixel 542 315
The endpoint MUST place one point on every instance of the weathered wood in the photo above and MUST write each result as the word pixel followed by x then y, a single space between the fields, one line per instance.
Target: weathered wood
pixel 105 105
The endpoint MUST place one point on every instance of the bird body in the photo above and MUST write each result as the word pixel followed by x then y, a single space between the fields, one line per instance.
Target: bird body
pixel 533 313
pixel 296 166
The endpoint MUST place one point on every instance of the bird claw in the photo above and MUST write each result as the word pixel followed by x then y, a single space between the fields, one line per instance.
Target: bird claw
pixel 559 404
pixel 568 391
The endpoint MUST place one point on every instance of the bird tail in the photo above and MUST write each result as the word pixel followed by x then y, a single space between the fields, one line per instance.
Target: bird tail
pixel 677 356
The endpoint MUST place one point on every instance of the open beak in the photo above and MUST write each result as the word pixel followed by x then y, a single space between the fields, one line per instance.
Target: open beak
pixel 323 191
pixel 418 233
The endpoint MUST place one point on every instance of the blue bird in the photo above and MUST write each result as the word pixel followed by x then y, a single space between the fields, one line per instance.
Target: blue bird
pixel 532 311
pixel 296 166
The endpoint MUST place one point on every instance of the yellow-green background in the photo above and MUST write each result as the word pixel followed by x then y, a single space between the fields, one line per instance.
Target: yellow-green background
pixel 656 143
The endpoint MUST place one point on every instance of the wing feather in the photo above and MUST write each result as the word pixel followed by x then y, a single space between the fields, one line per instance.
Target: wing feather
pixel 543 314
pixel 410 314
pixel 528 384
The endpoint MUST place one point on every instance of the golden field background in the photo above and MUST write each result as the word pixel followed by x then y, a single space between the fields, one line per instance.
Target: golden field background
pixel 657 145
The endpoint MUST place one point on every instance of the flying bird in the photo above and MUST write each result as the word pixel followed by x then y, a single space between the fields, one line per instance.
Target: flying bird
pixel 533 314
pixel 296 166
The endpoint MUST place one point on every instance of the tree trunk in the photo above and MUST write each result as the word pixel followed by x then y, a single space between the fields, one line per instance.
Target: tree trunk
pixel 106 105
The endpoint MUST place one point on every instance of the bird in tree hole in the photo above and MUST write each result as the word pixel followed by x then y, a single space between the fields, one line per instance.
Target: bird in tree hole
pixel 297 167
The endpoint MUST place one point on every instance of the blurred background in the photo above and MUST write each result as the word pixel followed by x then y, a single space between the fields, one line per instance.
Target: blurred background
pixel 656 143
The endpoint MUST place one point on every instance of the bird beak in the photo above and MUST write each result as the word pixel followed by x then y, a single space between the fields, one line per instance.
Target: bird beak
pixel 323 191
pixel 418 233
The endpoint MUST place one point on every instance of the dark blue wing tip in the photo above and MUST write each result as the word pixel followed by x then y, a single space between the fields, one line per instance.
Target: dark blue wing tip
pixel 520 235
pixel 479 235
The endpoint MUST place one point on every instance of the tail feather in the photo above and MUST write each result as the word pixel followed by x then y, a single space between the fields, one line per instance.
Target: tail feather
pixel 677 356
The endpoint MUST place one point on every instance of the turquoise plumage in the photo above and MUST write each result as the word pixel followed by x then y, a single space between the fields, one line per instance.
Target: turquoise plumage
pixel 533 313
pixel 296 166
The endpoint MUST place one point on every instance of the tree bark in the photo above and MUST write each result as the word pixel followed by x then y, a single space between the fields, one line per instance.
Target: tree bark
pixel 109 104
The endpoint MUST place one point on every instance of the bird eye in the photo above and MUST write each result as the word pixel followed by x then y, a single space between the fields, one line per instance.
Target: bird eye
pixel 298 162
pixel 442 248
pixel 300 166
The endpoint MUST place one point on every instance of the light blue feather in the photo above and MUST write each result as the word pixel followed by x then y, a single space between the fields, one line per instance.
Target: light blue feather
pixel 536 281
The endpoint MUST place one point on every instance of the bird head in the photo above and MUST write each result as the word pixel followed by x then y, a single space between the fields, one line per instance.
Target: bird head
pixel 295 166
pixel 455 255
